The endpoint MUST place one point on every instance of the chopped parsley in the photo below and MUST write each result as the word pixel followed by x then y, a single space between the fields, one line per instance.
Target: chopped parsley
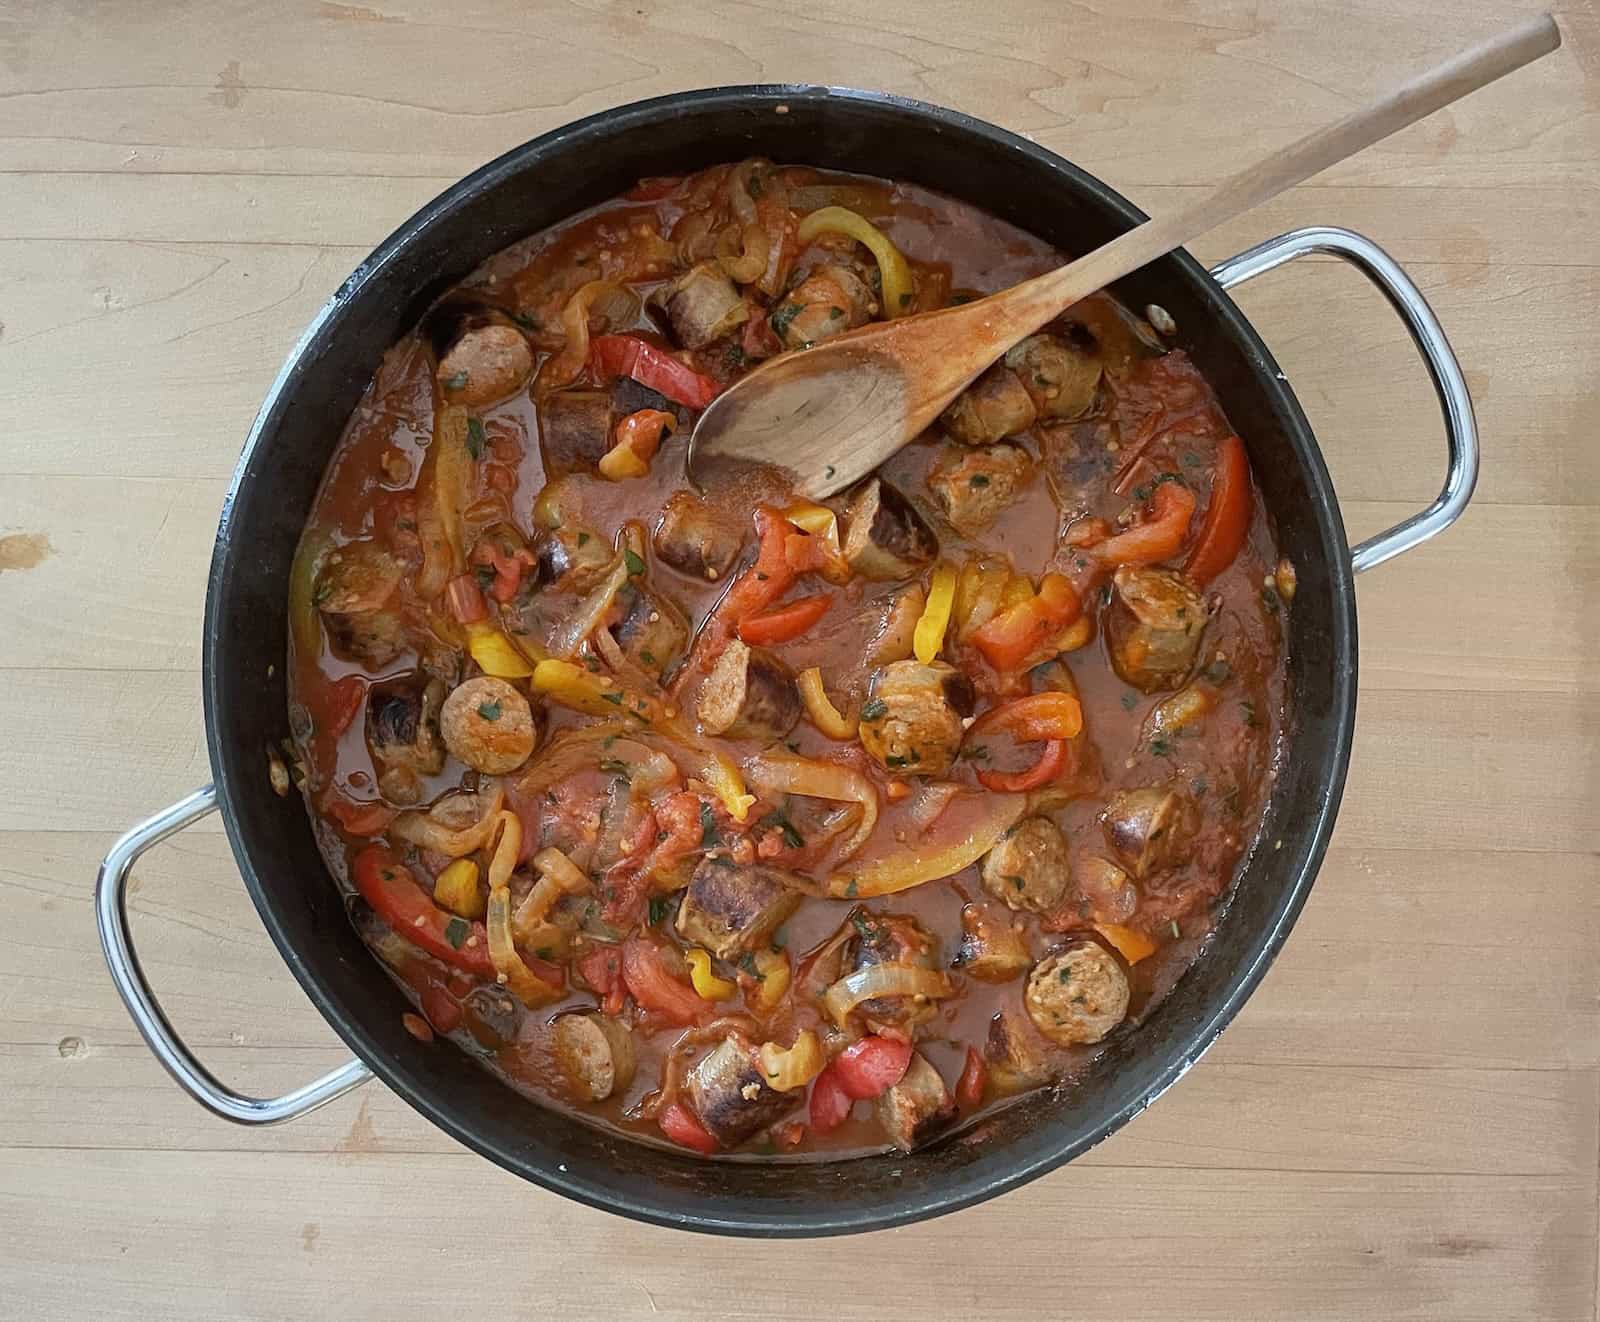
pixel 708 827
pixel 905 300
pixel 828 471
pixel 1129 701
pixel 583 539
pixel 875 710
pixel 1269 600
pixel 634 563
pixel 747 962
pixel 1160 746
pixel 1018 883
pixel 851 890
pixel 836 314
pixel 978 480
pixel 893 762
pixel 647 656
pixel 490 711
pixel 1249 710
pixel 615 699
pixel 486 576
pixel 455 382
pixel 524 320
pixel 1219 671
pixel 476 438
pixel 455 932
pixel 591 663
pixel 783 315
pixel 733 357
pixel 612 767
pixel 791 837
pixel 659 904
pixel 976 753
pixel 1200 787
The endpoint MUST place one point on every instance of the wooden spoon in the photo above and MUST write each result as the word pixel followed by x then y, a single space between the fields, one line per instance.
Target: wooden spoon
pixel 832 413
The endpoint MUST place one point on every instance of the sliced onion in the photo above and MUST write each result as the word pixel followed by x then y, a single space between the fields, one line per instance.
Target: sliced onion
pixel 877 980
pixel 742 253
pixel 569 636
pixel 774 774
pixel 523 982
pixel 427 830
pixel 785 1069
pixel 930 801
pixel 562 870
pixel 503 862
pixel 930 862
pixel 604 301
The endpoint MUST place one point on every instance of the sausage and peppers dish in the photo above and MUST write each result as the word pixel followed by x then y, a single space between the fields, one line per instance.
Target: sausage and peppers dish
pixel 759 825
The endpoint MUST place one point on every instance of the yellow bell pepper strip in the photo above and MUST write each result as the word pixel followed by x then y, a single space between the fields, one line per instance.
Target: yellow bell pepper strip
pixel 906 868
pixel 1021 635
pixel 819 707
pixel 638 437
pixel 707 985
pixel 978 593
pixel 456 888
pixel 1132 946
pixel 929 635
pixel 774 975
pixel 898 290
pixel 819 551
pixel 1078 634
pixel 594 695
pixel 496 654
pixel 794 1067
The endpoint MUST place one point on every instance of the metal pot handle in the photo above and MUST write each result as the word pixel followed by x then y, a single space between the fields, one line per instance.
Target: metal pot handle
pixel 1460 428
pixel 111 913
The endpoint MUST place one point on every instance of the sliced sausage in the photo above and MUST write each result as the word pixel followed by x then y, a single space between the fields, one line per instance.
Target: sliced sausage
pixel 990 409
pixel 730 908
pixel 973 486
pixel 355 591
pixel 993 947
pixel 488 725
pixel 485 365
pixel 574 431
pixel 911 722
pixel 652 631
pixel 695 539
pixel 749 694
pixel 595 1053
pixel 730 1095
pixel 885 538
pixel 1060 378
pixel 917 1108
pixel 1077 997
pixel 1151 828
pixel 892 938
pixel 1027 869
pixel 828 302
pixel 702 305
pixel 1153 626
pixel 403 735
pixel 1108 890
pixel 1015 1054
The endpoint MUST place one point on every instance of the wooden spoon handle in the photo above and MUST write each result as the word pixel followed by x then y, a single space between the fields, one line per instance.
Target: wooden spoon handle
pixel 1047 295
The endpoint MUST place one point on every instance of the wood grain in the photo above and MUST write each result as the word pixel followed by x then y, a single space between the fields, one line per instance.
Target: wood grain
pixel 1404 1121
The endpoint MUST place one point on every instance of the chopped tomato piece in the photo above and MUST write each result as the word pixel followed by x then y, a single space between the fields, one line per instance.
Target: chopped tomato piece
pixel 766 580
pixel 1227 517
pixel 830 1103
pixel 1160 536
pixel 785 624
pixel 388 886
pixel 344 701
pixel 654 988
pixel 683 1127
pixel 871 1066
pixel 363 819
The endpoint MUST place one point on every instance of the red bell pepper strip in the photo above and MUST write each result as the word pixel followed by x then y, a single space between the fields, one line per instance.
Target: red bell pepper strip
pixel 871 1066
pixel 683 1127
pixel 830 1103
pixel 1052 762
pixel 652 366
pixel 655 989
pixel 1227 517
pixel 1023 633
pixel 766 580
pixel 602 970
pixel 974 1076
pixel 1159 537
pixel 344 701
pixel 508 569
pixel 1052 718
pixel 388 886
pixel 784 624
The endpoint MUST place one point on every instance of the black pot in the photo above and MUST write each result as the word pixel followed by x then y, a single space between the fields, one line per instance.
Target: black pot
pixel 282 465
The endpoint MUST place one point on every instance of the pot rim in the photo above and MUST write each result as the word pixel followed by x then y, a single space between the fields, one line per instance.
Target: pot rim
pixel 969 1185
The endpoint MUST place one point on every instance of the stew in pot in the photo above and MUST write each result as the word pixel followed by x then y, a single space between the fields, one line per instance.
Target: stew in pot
pixel 753 824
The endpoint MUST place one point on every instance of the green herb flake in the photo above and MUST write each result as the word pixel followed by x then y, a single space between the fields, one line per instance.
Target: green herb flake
pixel 485 575
pixel 1249 710
pixel 1105 594
pixel 976 753
pixel 1129 701
pixel 476 438
pixel 1160 747
pixel 456 932
pixel 591 663
pixel 490 711
pixel 905 300
pixel 583 539
pixel 647 656
pixel 828 471
pixel 1200 787
pixel 836 314
pixel 875 710
pixel 615 699
pixel 659 905
pixel 978 481
pixel 791 837
pixel 1017 883
pixel 783 315
pixel 634 563
pixel 708 827
pixel 1065 976
pixel 612 767
pixel 747 963
pixel 524 320
pixel 1219 671
pixel 852 890
pixel 1269 600
pixel 456 382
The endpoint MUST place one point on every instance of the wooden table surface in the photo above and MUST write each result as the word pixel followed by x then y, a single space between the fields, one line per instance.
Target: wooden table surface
pixel 1402 1123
